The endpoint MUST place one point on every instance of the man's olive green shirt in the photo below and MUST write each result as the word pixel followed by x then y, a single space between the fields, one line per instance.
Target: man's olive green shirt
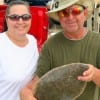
pixel 58 50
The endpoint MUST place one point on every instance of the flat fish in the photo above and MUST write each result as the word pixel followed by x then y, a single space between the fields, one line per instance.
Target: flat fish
pixel 61 83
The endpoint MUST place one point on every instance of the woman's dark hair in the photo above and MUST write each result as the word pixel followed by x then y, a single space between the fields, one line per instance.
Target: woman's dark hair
pixel 12 3
pixel 5 28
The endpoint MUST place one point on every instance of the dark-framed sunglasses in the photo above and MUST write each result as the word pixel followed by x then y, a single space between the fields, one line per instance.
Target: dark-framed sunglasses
pixel 78 9
pixel 15 17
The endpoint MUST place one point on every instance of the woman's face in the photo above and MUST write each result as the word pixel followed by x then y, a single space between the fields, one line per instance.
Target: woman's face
pixel 18 26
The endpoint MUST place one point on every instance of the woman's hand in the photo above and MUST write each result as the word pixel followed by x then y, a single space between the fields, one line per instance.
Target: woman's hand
pixel 28 91
pixel 26 94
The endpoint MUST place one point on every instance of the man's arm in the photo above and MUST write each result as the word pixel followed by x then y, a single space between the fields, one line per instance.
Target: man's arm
pixel 28 91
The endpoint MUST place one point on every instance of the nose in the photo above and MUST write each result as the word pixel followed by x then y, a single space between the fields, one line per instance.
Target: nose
pixel 70 16
pixel 20 20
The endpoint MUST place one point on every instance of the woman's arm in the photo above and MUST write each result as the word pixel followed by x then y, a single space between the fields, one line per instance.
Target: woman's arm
pixel 28 91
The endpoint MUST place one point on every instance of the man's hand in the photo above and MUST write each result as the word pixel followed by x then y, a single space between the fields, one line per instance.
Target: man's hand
pixel 92 74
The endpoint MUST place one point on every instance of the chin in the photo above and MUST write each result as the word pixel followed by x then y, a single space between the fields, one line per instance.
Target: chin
pixel 71 30
pixel 22 33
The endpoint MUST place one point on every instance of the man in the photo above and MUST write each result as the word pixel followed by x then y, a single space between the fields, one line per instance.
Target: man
pixel 74 44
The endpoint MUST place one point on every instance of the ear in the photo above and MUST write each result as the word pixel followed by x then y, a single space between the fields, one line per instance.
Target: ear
pixel 86 12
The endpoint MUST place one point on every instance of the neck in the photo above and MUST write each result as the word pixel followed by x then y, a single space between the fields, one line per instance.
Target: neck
pixel 76 35
pixel 18 40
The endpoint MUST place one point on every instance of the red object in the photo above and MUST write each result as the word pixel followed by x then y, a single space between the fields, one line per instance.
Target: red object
pixel 2 16
pixel 3 7
pixel 39 25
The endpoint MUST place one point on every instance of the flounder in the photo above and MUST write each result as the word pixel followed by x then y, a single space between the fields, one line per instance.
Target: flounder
pixel 61 83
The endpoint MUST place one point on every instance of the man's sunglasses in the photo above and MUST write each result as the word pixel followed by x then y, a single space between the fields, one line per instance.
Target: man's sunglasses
pixel 74 11
pixel 15 17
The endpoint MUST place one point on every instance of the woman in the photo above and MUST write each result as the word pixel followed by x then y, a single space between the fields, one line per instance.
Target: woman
pixel 18 51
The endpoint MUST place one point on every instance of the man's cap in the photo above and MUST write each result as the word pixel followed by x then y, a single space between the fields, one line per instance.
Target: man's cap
pixel 58 5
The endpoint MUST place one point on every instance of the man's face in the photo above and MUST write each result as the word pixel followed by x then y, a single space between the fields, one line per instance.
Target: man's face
pixel 72 18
